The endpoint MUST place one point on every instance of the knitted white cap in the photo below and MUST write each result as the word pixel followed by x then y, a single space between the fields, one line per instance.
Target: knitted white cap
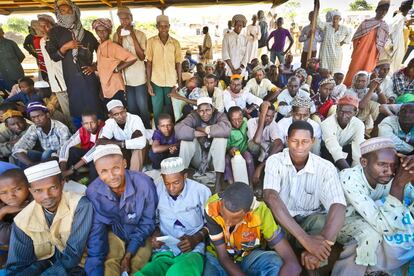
pixel 104 150
pixel 172 165
pixel 42 171
pixel 113 104
pixel 204 100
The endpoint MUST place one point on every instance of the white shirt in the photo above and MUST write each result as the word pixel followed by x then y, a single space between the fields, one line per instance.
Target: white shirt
pixel 111 130
pixel 335 137
pixel 306 191
pixel 387 86
pixel 235 49
pixel 259 90
pixel 241 101
pixel 284 96
pixel 285 123
pixel 54 70
pixel 218 98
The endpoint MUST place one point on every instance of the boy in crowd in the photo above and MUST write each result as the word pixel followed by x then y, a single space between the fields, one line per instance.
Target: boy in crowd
pixel 164 143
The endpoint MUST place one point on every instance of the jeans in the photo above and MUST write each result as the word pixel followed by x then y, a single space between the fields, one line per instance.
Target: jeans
pixel 36 156
pixel 75 154
pixel 280 56
pixel 257 263
pixel 137 101
pixel 120 95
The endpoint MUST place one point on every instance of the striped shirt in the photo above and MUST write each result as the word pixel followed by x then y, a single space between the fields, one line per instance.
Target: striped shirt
pixel 304 192
pixel 74 141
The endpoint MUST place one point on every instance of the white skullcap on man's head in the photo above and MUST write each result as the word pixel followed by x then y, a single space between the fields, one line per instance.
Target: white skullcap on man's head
pixel 104 150
pixel 114 103
pixel 172 165
pixel 204 100
pixel 42 171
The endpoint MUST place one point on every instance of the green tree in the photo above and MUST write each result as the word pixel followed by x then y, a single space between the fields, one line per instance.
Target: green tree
pixel 17 25
pixel 360 5
pixel 87 22
pixel 290 8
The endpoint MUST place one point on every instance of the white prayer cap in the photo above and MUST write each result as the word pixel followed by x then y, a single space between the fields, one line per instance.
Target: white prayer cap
pixel 204 100
pixel 172 165
pixel 375 144
pixel 104 150
pixel 162 18
pixel 42 171
pixel 41 84
pixel 114 103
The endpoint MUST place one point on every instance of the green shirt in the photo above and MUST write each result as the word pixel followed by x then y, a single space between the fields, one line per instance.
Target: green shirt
pixel 238 137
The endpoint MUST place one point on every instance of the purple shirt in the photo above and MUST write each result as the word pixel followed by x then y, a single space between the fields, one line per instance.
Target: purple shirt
pixel 163 139
pixel 279 37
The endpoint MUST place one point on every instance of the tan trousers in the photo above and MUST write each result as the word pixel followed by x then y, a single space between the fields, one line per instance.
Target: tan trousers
pixel 190 152
pixel 117 252
pixel 137 159
pixel 368 115
pixel 63 100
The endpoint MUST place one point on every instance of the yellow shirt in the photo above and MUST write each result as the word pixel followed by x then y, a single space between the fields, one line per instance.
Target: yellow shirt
pixel 163 58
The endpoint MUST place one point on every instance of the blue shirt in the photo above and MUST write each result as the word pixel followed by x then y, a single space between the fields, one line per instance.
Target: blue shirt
pixel 131 217
pixel 184 215
pixel 24 98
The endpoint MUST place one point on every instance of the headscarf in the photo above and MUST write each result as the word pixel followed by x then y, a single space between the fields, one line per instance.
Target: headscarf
pixel 239 17
pixel 301 72
pixel 354 79
pixel 335 13
pixel 368 25
pixel 71 22
pixel 102 22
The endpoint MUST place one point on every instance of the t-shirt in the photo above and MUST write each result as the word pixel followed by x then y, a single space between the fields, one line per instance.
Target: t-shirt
pixel 257 225
pixel 279 36
pixel 238 137
pixel 158 136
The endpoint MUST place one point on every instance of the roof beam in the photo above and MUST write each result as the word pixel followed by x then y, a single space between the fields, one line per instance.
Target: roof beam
pixel 44 3
pixel 107 3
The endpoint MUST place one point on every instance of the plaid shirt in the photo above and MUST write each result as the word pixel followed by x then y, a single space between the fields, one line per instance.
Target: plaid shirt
pixel 402 85
pixel 54 140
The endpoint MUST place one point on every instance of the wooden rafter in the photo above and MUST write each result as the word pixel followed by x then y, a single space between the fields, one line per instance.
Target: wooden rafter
pixel 107 3
pixel 44 3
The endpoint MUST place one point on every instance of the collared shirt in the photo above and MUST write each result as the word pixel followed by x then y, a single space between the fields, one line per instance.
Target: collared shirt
pixel 54 70
pixel 257 224
pixel 373 215
pixel 270 133
pixel 135 74
pixel 54 140
pixel 259 90
pixel 183 215
pixel 241 101
pixel 285 97
pixel 285 123
pixel 131 217
pixel 304 192
pixel 109 55
pixel 218 98
pixel 23 261
pixel 335 138
pixel 338 91
pixel 390 127
pixel 305 37
pixel 235 49
pixel 163 57
pixel 111 130
pixel 402 85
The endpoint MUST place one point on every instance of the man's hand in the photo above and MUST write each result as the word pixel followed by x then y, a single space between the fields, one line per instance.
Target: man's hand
pixel 374 84
pixel 156 244
pixel 70 45
pixel 10 209
pixel 232 151
pixel 309 261
pixel 236 71
pixel 88 70
pixel 150 90
pixel 202 129
pixel 187 243
pixel 407 162
pixel 67 173
pixel 126 263
pixel 264 107
pixel 317 246
pixel 173 149
pixel 198 133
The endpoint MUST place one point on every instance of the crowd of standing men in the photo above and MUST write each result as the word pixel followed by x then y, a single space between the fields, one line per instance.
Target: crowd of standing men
pixel 329 155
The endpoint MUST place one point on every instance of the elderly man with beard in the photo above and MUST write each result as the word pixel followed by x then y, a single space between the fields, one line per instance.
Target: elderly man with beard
pixel 49 235
pixel 377 234
pixel 17 126
pixel 124 219
pixel 203 134
pixel 70 43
